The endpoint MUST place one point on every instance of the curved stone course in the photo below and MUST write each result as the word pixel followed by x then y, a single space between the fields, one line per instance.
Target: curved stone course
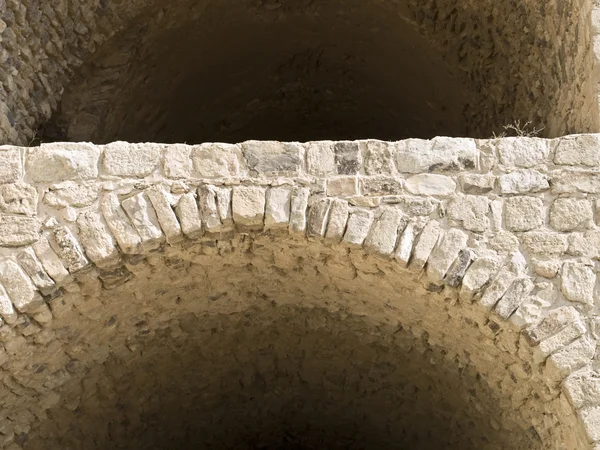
pixel 504 233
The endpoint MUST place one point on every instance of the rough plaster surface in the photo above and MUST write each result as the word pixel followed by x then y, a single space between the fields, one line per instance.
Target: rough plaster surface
pixel 194 72
pixel 351 294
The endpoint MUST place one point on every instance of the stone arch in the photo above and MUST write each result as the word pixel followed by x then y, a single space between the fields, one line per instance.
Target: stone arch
pixel 84 63
pixel 453 262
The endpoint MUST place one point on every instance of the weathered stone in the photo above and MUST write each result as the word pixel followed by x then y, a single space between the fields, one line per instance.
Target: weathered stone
pixel 582 150
pixel 248 205
pixel 178 161
pixel 547 268
pixel 470 210
pixel 50 260
pixel 570 181
pixel 348 160
pixel 7 310
pixel 342 186
pixel 144 219
pixel 528 312
pixel 53 163
pixel 545 242
pixel 338 218
pixel 269 158
pixel 384 233
pixel 516 294
pixel 523 181
pixel 68 249
pixel 127 237
pixel 189 216
pixel 359 224
pixel 320 159
pixel 379 157
pixel 416 206
pixel 16 231
pixel 561 339
pixel 583 387
pixel 577 282
pixel 224 207
pixel 11 166
pixel 585 244
pixel 207 201
pixel 523 213
pixel 131 160
pixel 277 213
pixel 70 193
pixel 554 322
pixel 523 151
pixel 590 417
pixel 459 267
pixel 436 155
pixel 218 161
pixel 165 214
pixel 444 254
pixel 406 243
pixel 504 242
pixel 380 185
pixel 430 184
pixel 18 198
pixel 19 287
pixel 477 184
pixel 573 357
pixel 299 205
pixel 34 269
pixel 497 288
pixel 424 245
pixel 568 214
pixel 96 240
pixel 317 218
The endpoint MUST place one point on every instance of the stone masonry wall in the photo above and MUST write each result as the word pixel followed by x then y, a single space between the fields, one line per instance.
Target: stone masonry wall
pixel 481 256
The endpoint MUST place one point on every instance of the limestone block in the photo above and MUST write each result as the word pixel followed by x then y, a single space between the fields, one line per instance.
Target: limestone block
pixel 131 160
pixel 430 184
pixel 50 260
pixel 424 245
pixel 472 211
pixel 218 161
pixel 207 201
pixel 459 267
pixel 438 154
pixel 583 387
pixel 545 242
pixel 379 157
pixel 248 205
pixel 118 223
pixel 523 181
pixel 166 216
pixel 561 339
pixel 582 150
pixel 96 240
pixel 523 151
pixel 320 159
pixel 554 321
pixel 68 249
pixel 344 186
pixel 516 294
pixel 477 184
pixel 547 268
pixel 224 207
pixel 523 213
pixel 338 218
pixel 406 244
pixel 178 161
pixel 17 231
pixel 348 159
pixel 577 282
pixel 573 357
pixel 590 416
pixel 277 213
pixel 18 198
pixel 571 181
pixel 417 206
pixel 34 269
pixel 299 205
pixel 359 224
pixel 272 158
pixel 189 216
pixel 585 244
pixel 497 288
pixel 384 233
pixel 569 214
pixel 528 312
pixel 70 193
pixel 19 287
pixel 380 185
pixel 7 310
pixel 444 255
pixel 317 218
pixel 53 163
pixel 11 166
pixel 144 219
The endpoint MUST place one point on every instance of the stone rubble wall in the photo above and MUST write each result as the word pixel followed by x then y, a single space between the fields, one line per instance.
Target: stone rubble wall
pixel 510 226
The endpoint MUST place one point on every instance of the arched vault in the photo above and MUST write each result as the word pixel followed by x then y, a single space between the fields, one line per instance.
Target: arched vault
pixel 350 294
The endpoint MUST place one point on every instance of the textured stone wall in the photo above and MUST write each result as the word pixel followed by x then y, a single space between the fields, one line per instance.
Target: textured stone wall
pixel 194 72
pixel 437 294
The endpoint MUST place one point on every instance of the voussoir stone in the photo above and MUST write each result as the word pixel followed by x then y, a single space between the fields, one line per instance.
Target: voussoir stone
pixel 131 160
pixel 444 254
pixel 248 203
pixel 53 163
